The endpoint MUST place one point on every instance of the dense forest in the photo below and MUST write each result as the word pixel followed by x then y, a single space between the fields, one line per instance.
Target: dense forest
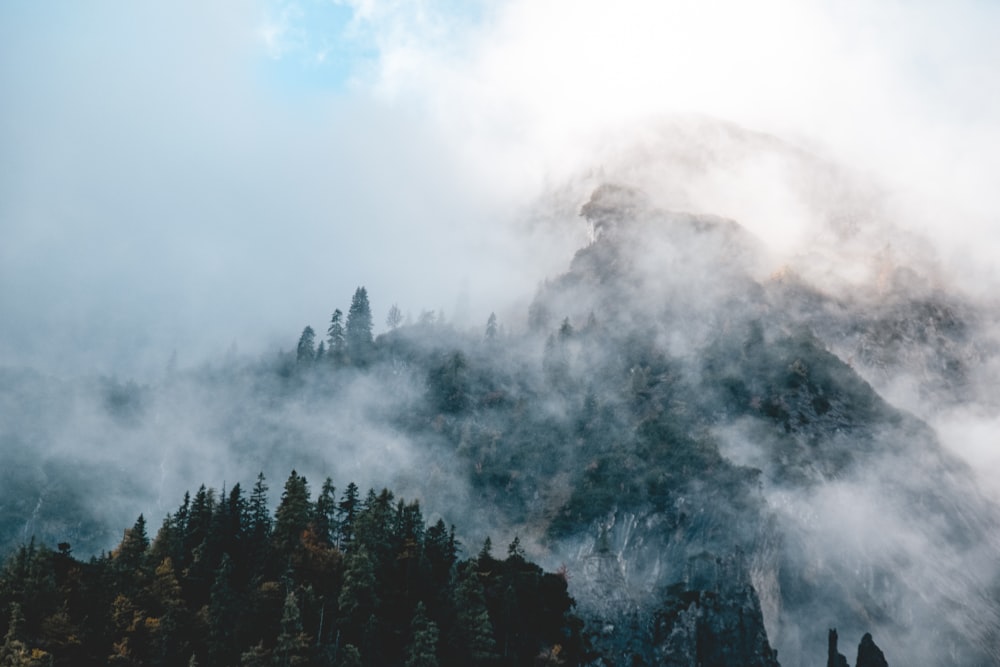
pixel 349 582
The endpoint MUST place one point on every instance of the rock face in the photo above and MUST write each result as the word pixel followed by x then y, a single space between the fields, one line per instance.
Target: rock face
pixel 870 655
pixel 834 657
pixel 709 615
pixel 748 444
pixel 709 628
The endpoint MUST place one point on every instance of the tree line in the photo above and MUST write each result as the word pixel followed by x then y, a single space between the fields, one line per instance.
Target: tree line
pixel 354 581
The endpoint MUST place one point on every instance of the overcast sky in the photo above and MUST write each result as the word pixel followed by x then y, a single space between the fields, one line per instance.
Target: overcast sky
pixel 185 175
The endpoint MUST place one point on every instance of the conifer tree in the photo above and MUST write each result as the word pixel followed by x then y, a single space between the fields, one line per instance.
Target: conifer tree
pixel 358 331
pixel 357 600
pixel 349 657
pixel 167 641
pixel 325 513
pixel 422 649
pixel 473 630
pixel 336 338
pixel 293 514
pixel 347 511
pixel 291 648
pixel 14 652
pixel 222 614
pixel 491 327
pixel 305 352
pixel 259 515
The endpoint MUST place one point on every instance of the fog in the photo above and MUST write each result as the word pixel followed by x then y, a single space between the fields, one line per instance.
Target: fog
pixel 183 188
pixel 180 178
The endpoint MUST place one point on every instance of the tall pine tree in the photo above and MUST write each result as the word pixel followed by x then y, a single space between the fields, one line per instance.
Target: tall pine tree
pixel 358 332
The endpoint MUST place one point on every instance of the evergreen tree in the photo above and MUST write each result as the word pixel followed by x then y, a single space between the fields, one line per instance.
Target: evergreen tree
pixel 259 515
pixel 14 652
pixel 320 352
pixel 336 337
pixel 130 552
pixel 324 513
pixel 256 656
pixel 292 645
pixel 357 600
pixel 305 352
pixel 491 327
pixel 358 330
pixel 346 514
pixel 199 523
pixel 422 649
pixel 349 657
pixel 168 624
pixel 258 524
pixel 223 610
pixel 473 632
pixel 293 514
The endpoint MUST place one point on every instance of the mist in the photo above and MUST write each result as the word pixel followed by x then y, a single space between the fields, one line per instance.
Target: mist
pixel 183 189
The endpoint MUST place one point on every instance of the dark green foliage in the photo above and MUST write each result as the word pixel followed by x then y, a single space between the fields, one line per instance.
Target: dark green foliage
pixel 293 514
pixel 448 384
pixel 337 341
pixel 358 330
pixel 219 586
pixel 422 650
pixel 305 351
pixel 472 641
pixel 325 513
pixel 291 648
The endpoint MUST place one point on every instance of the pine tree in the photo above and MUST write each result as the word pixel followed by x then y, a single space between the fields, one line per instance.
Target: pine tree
pixel 259 515
pixel 358 331
pixel 256 656
pixel 258 524
pixel 337 342
pixel 305 352
pixel 473 631
pixel 223 610
pixel 293 514
pixel 422 649
pixel 324 513
pixel 346 515
pixel 130 552
pixel 349 656
pixel 14 652
pixel 491 327
pixel 292 645
pixel 357 601
pixel 167 638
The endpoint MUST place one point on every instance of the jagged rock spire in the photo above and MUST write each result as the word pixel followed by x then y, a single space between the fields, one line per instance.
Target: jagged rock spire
pixel 870 655
pixel 835 658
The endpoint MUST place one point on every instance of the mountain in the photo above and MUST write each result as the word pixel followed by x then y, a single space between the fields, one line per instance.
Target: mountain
pixel 725 458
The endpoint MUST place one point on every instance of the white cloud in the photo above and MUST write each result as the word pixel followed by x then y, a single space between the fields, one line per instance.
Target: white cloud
pixel 143 147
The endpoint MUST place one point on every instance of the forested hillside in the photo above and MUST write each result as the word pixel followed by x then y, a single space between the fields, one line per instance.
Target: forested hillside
pixel 355 580
pixel 698 448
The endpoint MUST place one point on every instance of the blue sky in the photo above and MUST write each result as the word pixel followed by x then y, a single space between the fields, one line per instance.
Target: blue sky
pixel 188 175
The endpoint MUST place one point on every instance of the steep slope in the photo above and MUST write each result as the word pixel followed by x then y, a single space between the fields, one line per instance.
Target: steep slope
pixel 704 445
pixel 850 513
